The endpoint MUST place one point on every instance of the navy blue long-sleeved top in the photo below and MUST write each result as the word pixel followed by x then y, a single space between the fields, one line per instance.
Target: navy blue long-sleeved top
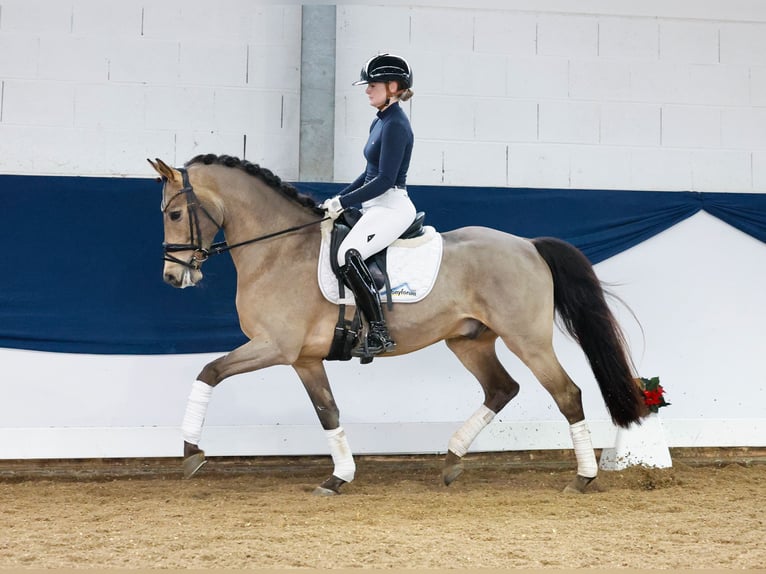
pixel 388 152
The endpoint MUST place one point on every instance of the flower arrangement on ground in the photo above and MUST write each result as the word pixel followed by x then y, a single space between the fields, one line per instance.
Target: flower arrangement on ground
pixel 654 394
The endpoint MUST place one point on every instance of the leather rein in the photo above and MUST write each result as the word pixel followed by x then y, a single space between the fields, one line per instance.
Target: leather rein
pixel 200 254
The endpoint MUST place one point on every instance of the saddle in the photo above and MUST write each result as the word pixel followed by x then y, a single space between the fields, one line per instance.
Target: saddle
pixel 377 263
pixel 347 332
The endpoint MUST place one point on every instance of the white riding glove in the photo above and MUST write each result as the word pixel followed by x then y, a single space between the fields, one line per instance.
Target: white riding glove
pixel 333 207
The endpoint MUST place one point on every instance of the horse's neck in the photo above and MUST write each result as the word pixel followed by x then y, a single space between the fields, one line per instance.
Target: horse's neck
pixel 255 211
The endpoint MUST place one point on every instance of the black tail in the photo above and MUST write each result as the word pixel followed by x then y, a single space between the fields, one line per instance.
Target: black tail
pixel 579 300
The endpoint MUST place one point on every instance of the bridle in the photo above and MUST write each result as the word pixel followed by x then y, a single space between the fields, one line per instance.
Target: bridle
pixel 200 253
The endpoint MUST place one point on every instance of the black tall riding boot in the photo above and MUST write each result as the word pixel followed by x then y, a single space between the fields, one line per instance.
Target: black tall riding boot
pixel 356 275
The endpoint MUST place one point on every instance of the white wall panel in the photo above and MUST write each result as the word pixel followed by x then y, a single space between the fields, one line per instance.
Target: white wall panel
pixel 37 16
pixel 18 55
pixel 675 165
pixel 569 36
pixel 36 103
pixel 628 38
pixel 687 126
pixel 630 124
pixel 507 33
pixel 743 43
pixel 721 170
pixel 538 165
pixel 569 122
pixel 689 42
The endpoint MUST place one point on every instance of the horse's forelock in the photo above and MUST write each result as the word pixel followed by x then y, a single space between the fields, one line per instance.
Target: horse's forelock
pixel 262 173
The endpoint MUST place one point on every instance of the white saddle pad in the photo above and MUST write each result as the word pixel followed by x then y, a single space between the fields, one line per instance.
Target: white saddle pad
pixel 412 264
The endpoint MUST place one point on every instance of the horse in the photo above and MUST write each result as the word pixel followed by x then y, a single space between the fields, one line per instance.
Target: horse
pixel 527 287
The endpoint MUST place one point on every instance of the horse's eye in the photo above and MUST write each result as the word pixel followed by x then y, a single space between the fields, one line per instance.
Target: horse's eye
pixel 175 215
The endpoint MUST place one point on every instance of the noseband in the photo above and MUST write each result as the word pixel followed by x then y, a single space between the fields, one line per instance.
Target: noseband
pixel 200 253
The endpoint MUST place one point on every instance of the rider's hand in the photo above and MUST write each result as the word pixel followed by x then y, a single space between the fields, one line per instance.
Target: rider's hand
pixel 333 207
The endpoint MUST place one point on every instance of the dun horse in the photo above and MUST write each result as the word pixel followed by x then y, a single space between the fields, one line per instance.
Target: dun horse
pixel 272 234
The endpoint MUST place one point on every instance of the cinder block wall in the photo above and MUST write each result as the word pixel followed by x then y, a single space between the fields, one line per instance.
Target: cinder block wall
pixel 639 95
pixel 91 87
pixel 674 100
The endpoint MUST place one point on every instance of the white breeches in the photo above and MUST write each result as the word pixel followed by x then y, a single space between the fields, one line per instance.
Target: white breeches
pixel 384 219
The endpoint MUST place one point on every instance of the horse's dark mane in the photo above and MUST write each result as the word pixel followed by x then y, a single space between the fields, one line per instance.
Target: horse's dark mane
pixel 262 173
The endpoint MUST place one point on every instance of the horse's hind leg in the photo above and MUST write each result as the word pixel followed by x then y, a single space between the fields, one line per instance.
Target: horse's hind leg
pixel 545 366
pixel 479 357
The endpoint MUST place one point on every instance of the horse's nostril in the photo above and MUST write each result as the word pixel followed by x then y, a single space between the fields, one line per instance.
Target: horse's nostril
pixel 172 279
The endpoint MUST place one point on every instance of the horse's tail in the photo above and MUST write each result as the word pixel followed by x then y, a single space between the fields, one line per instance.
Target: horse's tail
pixel 579 300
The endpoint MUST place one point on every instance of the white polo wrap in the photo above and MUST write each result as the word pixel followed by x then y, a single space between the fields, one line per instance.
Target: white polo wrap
pixel 345 467
pixel 196 409
pixel 583 447
pixel 466 434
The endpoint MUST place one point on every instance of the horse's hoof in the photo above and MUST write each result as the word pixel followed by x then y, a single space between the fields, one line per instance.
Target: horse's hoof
pixel 450 474
pixel 322 491
pixel 193 463
pixel 578 484
pixel 453 467
pixel 329 487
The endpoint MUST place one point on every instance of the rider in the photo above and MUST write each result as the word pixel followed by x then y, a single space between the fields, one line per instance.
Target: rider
pixel 386 208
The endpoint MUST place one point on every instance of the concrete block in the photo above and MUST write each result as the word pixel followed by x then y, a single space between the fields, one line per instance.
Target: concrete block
pixel 37 103
pixel 255 111
pixel 114 19
pixel 177 107
pixel 71 58
pixel 723 85
pixel 426 166
pixel 125 151
pixel 569 122
pixel 600 167
pixel 109 106
pixel 57 150
pixel 660 82
pixel 599 80
pixel 501 32
pixel 743 43
pixel 18 55
pixel 759 171
pixel 758 85
pixel 691 126
pixel 357 29
pixel 479 164
pixel 689 42
pixel 443 118
pixel 569 36
pixel 213 64
pixel 439 29
pixel 38 17
pixel 660 169
pixel 144 60
pixel 628 38
pixel 349 161
pixel 630 124
pixel 192 143
pixel 721 170
pixel 278 153
pixel 274 67
pixel 538 165
pixel 504 120
pixel 240 21
pixel 743 128
pixel 539 77
pixel 474 74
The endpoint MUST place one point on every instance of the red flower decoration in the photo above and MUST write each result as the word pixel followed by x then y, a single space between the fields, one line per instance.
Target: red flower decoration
pixel 653 393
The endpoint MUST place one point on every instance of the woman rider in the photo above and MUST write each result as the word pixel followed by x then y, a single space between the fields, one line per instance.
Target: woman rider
pixel 386 208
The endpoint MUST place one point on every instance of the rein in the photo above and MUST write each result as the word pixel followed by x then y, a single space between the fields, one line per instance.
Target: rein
pixel 200 254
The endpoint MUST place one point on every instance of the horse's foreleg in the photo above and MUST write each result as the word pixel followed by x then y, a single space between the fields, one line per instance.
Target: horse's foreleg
pixel 249 357
pixel 479 357
pixel 314 378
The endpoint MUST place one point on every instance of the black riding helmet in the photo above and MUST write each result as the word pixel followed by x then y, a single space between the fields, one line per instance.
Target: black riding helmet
pixel 386 68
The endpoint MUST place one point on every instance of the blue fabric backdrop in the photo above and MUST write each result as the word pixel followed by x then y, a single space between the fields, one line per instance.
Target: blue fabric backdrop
pixel 82 260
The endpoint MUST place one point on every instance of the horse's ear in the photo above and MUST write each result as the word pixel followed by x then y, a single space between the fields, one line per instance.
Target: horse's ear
pixel 165 171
